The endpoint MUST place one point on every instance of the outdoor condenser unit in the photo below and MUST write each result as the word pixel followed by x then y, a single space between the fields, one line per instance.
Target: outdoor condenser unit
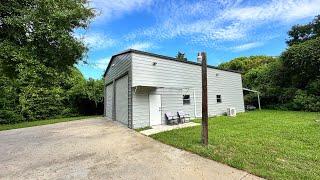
pixel 231 111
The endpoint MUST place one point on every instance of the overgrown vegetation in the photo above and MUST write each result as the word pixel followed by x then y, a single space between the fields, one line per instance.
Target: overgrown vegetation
pixel 38 53
pixel 269 143
pixel 291 81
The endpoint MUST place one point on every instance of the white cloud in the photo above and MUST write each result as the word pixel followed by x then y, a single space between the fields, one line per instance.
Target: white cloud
pixel 102 63
pixel 141 46
pixel 287 10
pixel 303 9
pixel 99 64
pixel 197 22
pixel 247 46
pixel 96 41
pixel 212 22
pixel 109 9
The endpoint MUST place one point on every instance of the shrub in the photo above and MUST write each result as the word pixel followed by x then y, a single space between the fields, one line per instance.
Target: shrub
pixel 8 117
pixel 307 102
pixel 41 103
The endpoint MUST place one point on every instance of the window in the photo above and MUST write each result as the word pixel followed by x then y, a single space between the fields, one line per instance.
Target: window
pixel 219 99
pixel 186 99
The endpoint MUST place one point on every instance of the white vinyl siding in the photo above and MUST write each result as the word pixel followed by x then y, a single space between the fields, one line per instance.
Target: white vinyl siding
pixel 187 77
pixel 140 110
pixel 171 100
pixel 171 80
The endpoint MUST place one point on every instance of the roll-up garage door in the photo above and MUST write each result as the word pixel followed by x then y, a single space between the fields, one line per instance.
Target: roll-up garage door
pixel 109 101
pixel 122 100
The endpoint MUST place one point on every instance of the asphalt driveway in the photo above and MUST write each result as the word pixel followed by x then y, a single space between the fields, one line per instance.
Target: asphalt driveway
pixel 99 149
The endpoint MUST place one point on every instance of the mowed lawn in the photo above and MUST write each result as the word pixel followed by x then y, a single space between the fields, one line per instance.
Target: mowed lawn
pixel 270 144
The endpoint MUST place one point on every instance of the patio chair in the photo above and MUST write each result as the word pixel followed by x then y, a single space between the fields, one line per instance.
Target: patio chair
pixel 183 116
pixel 171 119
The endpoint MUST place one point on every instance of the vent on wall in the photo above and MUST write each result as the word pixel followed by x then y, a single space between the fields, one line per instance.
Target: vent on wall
pixel 231 111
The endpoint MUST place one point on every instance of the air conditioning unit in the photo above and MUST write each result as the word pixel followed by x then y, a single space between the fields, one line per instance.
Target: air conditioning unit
pixel 231 111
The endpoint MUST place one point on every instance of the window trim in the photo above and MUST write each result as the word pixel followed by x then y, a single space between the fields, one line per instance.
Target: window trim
pixel 219 98
pixel 186 101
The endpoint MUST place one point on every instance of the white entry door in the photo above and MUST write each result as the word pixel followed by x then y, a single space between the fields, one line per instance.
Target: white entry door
pixel 155 109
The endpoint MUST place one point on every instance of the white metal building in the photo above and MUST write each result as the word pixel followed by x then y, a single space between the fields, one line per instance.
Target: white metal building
pixel 140 87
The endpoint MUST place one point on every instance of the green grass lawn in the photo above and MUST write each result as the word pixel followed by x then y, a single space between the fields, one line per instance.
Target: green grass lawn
pixel 40 122
pixel 270 144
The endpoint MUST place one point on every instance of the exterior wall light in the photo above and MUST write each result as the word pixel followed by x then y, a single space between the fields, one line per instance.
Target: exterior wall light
pixel 154 63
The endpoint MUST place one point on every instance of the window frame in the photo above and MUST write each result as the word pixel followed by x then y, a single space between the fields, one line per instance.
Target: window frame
pixel 186 101
pixel 219 98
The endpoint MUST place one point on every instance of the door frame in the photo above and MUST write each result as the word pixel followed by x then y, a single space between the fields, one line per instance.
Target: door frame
pixel 159 109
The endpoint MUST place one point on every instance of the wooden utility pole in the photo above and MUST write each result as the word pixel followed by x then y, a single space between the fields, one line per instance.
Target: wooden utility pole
pixel 204 133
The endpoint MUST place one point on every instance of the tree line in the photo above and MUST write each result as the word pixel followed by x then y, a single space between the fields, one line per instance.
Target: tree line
pixel 38 54
pixel 290 81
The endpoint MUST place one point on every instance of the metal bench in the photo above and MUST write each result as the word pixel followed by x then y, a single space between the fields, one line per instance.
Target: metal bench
pixel 183 116
pixel 171 119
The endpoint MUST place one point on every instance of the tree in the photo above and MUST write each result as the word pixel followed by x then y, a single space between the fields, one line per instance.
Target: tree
pixel 291 81
pixel 95 91
pixel 302 33
pixel 8 101
pixel 302 65
pixel 244 64
pixel 38 51
pixel 180 57
pixel 260 73
pixel 247 64
pixel 41 31
pixel 302 62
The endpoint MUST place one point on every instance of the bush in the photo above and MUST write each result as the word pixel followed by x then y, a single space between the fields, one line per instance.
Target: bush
pixel 41 103
pixel 307 102
pixel 8 117
pixel 69 112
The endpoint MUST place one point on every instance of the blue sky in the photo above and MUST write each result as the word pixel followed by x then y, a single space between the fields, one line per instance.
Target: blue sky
pixel 225 29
